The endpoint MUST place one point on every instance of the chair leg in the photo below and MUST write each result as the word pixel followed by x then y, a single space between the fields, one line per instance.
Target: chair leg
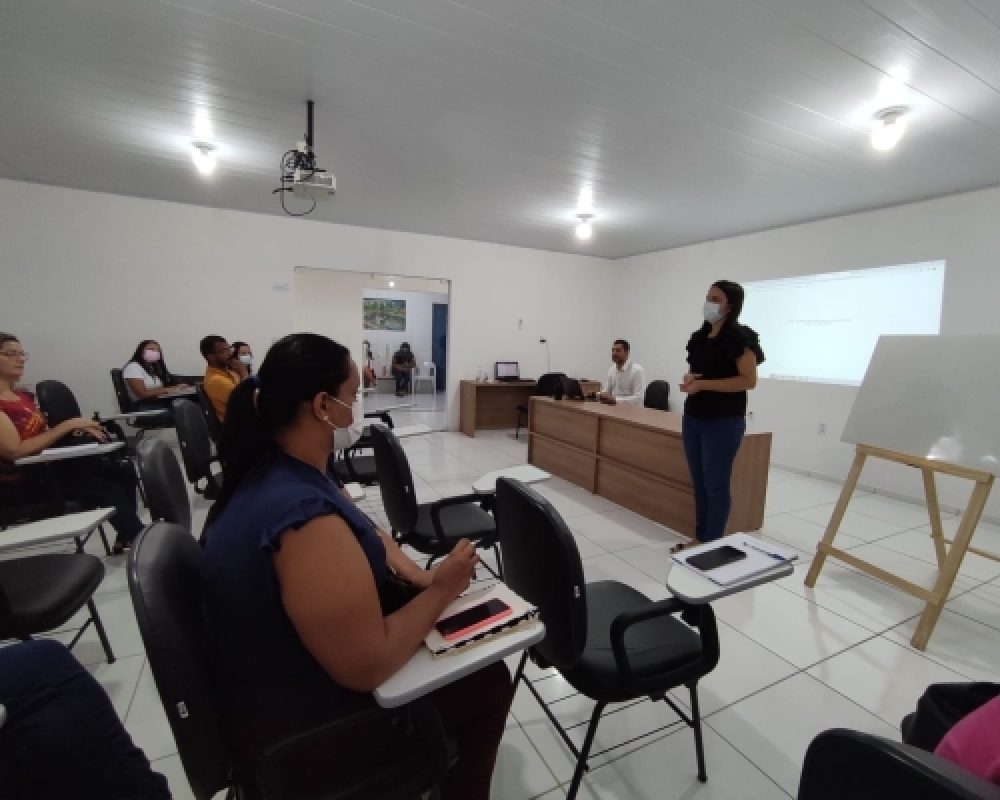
pixel 699 746
pixel 496 553
pixel 101 634
pixel 104 539
pixel 520 670
pixel 581 763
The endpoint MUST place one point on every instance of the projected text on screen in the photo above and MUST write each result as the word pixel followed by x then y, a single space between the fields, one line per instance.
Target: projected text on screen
pixel 823 328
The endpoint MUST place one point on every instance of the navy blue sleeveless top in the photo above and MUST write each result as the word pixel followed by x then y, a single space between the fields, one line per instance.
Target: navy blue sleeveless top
pixel 251 638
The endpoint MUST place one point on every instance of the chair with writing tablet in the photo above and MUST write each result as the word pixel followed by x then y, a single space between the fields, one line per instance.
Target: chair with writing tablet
pixel 127 405
pixel 609 641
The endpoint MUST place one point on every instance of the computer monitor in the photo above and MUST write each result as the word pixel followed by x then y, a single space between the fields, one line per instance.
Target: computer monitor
pixel 508 371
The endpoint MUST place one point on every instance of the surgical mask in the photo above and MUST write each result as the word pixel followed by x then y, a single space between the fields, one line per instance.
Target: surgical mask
pixel 712 312
pixel 151 356
pixel 344 438
pixel 248 360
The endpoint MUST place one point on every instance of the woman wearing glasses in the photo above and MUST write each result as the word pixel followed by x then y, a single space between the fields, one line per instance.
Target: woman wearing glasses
pixel 92 482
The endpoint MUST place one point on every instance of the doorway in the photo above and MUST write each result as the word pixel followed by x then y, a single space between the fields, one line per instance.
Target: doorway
pixel 439 343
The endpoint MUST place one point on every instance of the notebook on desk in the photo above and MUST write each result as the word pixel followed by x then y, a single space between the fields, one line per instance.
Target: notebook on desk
pixel 521 614
pixel 758 556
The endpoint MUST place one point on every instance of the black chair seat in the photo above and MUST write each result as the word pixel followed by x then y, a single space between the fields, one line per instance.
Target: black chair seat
pixel 45 591
pixel 467 521
pixel 364 468
pixel 654 647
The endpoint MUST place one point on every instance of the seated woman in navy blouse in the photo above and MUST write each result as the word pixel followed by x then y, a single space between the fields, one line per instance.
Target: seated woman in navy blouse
pixel 296 577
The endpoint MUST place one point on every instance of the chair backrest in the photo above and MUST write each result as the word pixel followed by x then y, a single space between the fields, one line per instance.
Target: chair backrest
pixel 192 433
pixel 211 418
pixel 395 479
pixel 164 580
pixel 57 402
pixel 657 394
pixel 431 368
pixel 541 563
pixel 166 490
pixel 125 403
pixel 548 382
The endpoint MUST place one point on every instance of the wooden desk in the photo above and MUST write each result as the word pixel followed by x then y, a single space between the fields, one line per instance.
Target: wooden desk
pixel 635 457
pixel 492 406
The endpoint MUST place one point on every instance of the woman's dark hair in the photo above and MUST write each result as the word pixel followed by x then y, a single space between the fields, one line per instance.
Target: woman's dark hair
pixel 236 347
pixel 734 299
pixel 8 337
pixel 157 370
pixel 294 371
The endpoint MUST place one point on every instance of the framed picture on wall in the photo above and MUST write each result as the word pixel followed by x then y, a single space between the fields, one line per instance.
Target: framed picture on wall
pixel 384 315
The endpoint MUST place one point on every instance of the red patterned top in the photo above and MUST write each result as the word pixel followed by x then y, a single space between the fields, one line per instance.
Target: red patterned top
pixel 24 414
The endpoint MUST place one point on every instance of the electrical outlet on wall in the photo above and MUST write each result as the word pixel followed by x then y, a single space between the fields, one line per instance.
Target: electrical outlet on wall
pixel 822 429
pixel 520 324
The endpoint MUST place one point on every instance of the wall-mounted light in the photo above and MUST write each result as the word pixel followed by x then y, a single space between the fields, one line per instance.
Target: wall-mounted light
pixel 890 125
pixel 392 284
pixel 203 155
pixel 584 230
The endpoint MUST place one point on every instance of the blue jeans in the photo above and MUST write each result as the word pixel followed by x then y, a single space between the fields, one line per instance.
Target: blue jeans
pixel 710 446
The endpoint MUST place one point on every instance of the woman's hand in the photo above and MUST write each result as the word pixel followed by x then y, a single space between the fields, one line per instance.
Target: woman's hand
pixel 452 576
pixel 179 386
pixel 85 425
pixel 691 383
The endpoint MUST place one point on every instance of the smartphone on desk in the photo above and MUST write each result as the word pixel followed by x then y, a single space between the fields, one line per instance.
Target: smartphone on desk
pixel 719 557
pixel 472 619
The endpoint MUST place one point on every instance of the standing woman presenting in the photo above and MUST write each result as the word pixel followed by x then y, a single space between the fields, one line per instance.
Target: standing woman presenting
pixel 723 357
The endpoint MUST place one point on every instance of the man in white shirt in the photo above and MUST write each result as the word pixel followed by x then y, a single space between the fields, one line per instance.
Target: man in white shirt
pixel 626 380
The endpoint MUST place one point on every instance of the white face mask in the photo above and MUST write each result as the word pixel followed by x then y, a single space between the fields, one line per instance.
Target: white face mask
pixel 712 312
pixel 248 360
pixel 346 437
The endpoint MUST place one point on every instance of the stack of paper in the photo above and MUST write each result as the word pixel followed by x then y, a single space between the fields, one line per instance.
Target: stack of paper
pixel 522 614
pixel 761 556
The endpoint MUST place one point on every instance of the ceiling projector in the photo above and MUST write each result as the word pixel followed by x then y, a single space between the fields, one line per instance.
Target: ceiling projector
pixel 302 176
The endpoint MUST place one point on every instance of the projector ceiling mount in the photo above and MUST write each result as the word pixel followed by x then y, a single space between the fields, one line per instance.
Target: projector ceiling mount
pixel 302 176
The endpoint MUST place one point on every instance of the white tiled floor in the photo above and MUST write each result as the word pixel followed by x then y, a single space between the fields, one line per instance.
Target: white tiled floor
pixel 795 661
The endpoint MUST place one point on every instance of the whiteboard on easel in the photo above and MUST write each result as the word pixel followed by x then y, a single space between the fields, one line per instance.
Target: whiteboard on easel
pixel 934 397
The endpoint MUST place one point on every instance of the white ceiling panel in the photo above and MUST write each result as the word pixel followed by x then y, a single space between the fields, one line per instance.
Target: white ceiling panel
pixel 482 119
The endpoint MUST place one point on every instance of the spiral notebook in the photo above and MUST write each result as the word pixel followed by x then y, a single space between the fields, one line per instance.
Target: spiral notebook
pixel 522 614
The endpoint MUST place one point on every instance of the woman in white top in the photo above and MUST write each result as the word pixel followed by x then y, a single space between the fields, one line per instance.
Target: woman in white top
pixel 147 376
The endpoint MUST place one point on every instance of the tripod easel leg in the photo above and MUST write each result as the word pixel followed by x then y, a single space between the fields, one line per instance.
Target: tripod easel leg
pixel 949 569
pixel 838 516
pixel 934 510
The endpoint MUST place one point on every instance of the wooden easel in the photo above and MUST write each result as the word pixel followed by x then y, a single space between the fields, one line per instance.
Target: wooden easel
pixel 949 559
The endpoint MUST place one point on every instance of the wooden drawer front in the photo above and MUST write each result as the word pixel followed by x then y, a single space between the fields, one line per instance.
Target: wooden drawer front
pixel 496 405
pixel 567 462
pixel 651 451
pixel 661 502
pixel 565 425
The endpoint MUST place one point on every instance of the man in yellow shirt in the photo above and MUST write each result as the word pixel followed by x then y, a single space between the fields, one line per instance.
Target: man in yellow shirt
pixel 223 373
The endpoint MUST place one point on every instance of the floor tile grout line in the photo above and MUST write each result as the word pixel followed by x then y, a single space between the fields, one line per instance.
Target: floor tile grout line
pixel 135 689
pixel 747 758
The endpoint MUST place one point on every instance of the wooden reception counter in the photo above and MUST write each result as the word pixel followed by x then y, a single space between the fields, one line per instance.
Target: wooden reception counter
pixel 635 457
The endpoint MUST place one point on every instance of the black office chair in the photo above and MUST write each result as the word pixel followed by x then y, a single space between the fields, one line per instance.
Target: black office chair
pixel 429 528
pixel 164 579
pixel 42 593
pixel 548 385
pixel 353 465
pixel 843 764
pixel 657 395
pixel 610 642
pixel 196 448
pixel 126 405
pixel 211 418
pixel 165 487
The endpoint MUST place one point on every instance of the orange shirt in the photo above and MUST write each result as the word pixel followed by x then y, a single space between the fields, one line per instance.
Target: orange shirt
pixel 219 384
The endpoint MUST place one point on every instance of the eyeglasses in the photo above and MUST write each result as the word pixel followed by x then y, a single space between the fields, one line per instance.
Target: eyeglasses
pixel 15 354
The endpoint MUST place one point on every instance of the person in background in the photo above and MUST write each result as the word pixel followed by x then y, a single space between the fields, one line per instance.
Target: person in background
pixel 60 736
pixel 93 482
pixel 974 742
pixel 243 352
pixel 308 607
pixel 722 357
pixel 626 380
pixel 147 377
pixel 403 364
pixel 223 373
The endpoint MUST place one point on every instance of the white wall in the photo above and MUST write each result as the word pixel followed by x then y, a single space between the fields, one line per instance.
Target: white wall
pixel 85 276
pixel 419 320
pixel 661 295
pixel 330 307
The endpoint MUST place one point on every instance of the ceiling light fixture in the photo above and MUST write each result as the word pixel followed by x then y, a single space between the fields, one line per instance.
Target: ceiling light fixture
pixel 584 230
pixel 890 125
pixel 203 155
